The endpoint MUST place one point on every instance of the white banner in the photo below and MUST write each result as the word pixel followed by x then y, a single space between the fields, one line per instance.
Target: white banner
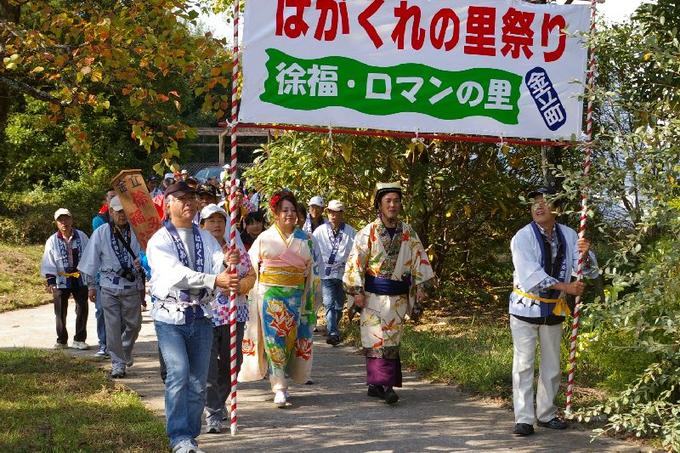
pixel 483 67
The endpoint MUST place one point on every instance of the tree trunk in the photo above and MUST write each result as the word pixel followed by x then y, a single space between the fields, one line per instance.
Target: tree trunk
pixel 8 13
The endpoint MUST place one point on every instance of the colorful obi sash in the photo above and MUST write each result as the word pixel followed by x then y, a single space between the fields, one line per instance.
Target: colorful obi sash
pixel 286 270
pixel 386 286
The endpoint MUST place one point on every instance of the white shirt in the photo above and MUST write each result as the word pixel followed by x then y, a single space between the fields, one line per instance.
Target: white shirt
pixel 52 263
pixel 528 273
pixel 100 257
pixel 323 240
pixel 169 276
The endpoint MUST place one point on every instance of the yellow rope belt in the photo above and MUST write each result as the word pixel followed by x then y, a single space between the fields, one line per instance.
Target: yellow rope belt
pixel 561 307
pixel 69 274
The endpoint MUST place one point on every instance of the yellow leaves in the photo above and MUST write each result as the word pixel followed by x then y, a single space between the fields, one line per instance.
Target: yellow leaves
pixel 96 76
pixel 12 61
pixel 37 70
pixel 467 209
pixel 346 151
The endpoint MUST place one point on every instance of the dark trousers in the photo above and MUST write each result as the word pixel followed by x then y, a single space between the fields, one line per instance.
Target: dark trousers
pixel 219 378
pixel 60 297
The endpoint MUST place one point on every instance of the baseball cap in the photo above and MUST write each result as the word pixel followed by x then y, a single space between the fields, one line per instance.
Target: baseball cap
pixel 178 189
pixel 316 201
pixel 213 209
pixel 116 204
pixel 207 189
pixel 542 191
pixel 60 212
pixel 336 205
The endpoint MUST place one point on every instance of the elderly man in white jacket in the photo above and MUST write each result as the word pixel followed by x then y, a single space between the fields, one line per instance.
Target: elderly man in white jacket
pixel 187 267
pixel 545 255
pixel 113 253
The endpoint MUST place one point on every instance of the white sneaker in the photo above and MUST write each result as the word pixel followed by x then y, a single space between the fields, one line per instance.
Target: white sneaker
pixel 280 399
pixel 186 446
pixel 80 345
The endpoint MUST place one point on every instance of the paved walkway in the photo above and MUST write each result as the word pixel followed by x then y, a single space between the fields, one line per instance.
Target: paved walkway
pixel 334 414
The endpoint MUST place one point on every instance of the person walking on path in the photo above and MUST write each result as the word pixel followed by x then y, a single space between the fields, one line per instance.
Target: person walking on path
pixel 112 253
pixel 278 336
pixel 544 254
pixel 187 266
pixel 387 272
pixel 215 220
pixel 101 218
pixel 59 267
pixel 314 218
pixel 334 241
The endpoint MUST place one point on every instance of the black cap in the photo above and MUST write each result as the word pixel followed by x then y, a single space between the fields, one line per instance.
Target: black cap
pixel 542 191
pixel 207 189
pixel 178 187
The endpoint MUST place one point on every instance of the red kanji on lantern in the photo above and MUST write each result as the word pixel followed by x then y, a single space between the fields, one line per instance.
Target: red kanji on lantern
pixel 517 33
pixel 335 10
pixel 549 24
pixel 368 26
pixel 442 20
pixel 294 25
pixel 404 13
pixel 137 218
pixel 139 198
pixel 481 31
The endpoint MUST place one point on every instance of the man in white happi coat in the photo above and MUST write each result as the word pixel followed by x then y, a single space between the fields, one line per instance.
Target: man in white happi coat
pixel 333 241
pixel 113 252
pixel 187 267
pixel 59 267
pixel 545 255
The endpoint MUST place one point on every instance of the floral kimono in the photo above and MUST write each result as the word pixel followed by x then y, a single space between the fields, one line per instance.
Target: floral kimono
pixel 387 268
pixel 278 336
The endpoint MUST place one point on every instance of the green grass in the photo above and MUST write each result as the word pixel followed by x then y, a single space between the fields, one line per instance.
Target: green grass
pixel 50 401
pixel 476 354
pixel 21 285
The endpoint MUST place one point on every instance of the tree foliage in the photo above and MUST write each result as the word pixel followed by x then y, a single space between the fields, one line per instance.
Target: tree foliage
pixel 462 199
pixel 136 61
pixel 635 187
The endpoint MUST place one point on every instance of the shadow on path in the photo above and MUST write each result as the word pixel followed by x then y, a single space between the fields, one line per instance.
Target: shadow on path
pixel 334 414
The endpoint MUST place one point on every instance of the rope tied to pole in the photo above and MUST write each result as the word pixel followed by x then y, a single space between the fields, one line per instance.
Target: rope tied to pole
pixel 233 211
pixel 587 163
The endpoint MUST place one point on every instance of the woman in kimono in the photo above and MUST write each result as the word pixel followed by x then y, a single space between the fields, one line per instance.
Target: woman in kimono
pixel 278 337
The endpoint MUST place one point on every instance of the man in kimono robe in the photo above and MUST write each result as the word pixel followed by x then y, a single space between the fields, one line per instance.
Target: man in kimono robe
pixel 387 272
pixel 544 254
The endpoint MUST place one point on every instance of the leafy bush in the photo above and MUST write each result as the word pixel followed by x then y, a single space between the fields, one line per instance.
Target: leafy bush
pixel 28 217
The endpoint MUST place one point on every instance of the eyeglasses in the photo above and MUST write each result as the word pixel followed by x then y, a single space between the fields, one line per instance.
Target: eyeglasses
pixel 186 199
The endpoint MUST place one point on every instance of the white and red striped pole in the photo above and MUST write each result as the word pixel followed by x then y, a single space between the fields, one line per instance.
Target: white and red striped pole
pixel 233 209
pixel 587 162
